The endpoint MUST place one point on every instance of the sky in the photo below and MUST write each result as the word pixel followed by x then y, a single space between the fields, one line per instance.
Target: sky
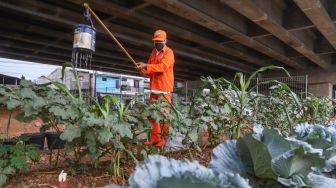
pixel 29 70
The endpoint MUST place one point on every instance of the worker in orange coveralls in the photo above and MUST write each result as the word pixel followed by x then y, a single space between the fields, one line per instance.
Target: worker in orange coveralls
pixel 159 69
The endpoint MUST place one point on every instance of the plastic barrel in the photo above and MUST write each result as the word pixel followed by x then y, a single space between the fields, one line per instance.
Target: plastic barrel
pixel 54 141
pixel 36 139
pixel 84 37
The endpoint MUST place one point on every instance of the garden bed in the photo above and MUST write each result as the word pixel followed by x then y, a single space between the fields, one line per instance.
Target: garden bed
pixel 105 139
pixel 44 175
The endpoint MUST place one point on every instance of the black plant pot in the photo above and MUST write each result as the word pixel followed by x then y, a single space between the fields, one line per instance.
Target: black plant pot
pixel 8 142
pixel 36 139
pixel 54 141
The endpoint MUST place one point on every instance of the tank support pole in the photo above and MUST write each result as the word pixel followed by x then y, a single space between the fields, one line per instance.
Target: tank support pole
pixel 110 33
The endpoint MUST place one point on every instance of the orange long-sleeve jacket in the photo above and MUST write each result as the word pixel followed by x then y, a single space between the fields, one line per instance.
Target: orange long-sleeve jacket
pixel 160 69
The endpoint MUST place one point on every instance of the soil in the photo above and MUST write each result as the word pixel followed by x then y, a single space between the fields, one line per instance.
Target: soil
pixel 43 174
pixel 16 127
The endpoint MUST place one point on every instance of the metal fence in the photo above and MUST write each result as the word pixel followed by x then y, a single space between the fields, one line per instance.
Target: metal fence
pixel 298 84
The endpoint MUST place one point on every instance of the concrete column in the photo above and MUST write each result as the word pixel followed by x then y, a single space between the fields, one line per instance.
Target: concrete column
pixel 320 89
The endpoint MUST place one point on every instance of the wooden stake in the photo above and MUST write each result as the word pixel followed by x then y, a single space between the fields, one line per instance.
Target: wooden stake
pixel 111 35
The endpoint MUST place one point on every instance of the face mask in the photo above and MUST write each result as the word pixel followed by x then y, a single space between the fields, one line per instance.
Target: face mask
pixel 159 45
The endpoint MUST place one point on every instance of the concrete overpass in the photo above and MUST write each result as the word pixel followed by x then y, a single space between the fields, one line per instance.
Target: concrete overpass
pixel 209 37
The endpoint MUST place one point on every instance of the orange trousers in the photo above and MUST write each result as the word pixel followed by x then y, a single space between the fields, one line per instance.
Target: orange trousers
pixel 160 130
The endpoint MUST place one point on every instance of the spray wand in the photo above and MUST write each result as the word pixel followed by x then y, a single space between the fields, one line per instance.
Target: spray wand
pixel 110 33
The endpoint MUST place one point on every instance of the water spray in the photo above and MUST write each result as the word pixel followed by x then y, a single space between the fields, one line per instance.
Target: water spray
pixel 84 42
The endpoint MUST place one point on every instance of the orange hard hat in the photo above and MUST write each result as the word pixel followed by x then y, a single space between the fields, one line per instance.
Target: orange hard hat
pixel 159 35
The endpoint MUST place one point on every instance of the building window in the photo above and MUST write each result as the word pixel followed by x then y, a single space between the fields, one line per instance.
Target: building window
pixel 136 83
pixel 117 84
pixel 104 79
pixel 124 79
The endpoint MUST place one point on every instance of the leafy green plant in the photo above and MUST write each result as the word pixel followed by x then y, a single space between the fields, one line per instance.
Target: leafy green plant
pixel 159 110
pixel 243 95
pixel 317 110
pixel 15 99
pixel 38 101
pixel 14 158
pixel 98 127
pixel 212 112
pixel 281 109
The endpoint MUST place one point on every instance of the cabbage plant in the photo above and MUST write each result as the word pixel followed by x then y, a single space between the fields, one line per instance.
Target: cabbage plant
pixel 268 159
pixel 320 137
pixel 159 171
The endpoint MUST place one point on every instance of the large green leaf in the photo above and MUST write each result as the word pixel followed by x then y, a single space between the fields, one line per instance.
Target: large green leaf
pixel 64 89
pixel 295 143
pixel 275 143
pixel 70 133
pixel 38 102
pixel 4 172
pixel 64 112
pixel 318 136
pixel 297 164
pixel 28 108
pixel 32 153
pixel 26 83
pixel 58 111
pixel 255 157
pixel 27 93
pixel 193 135
pixel 104 135
pixel 12 104
pixel 330 156
pixel 123 130
pixel 158 171
pixel 225 158
pixel 90 141
pixel 23 118
pixel 263 69
pixel 19 161
pixel 320 181
pixel 3 179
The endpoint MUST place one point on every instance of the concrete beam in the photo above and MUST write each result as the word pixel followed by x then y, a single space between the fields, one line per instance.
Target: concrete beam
pixel 251 10
pixel 319 16
pixel 71 18
pixel 61 46
pixel 103 48
pixel 147 21
pixel 200 15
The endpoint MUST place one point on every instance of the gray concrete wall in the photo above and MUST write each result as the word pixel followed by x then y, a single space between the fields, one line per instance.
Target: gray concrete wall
pixel 69 80
pixel 321 90
pixel 320 81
